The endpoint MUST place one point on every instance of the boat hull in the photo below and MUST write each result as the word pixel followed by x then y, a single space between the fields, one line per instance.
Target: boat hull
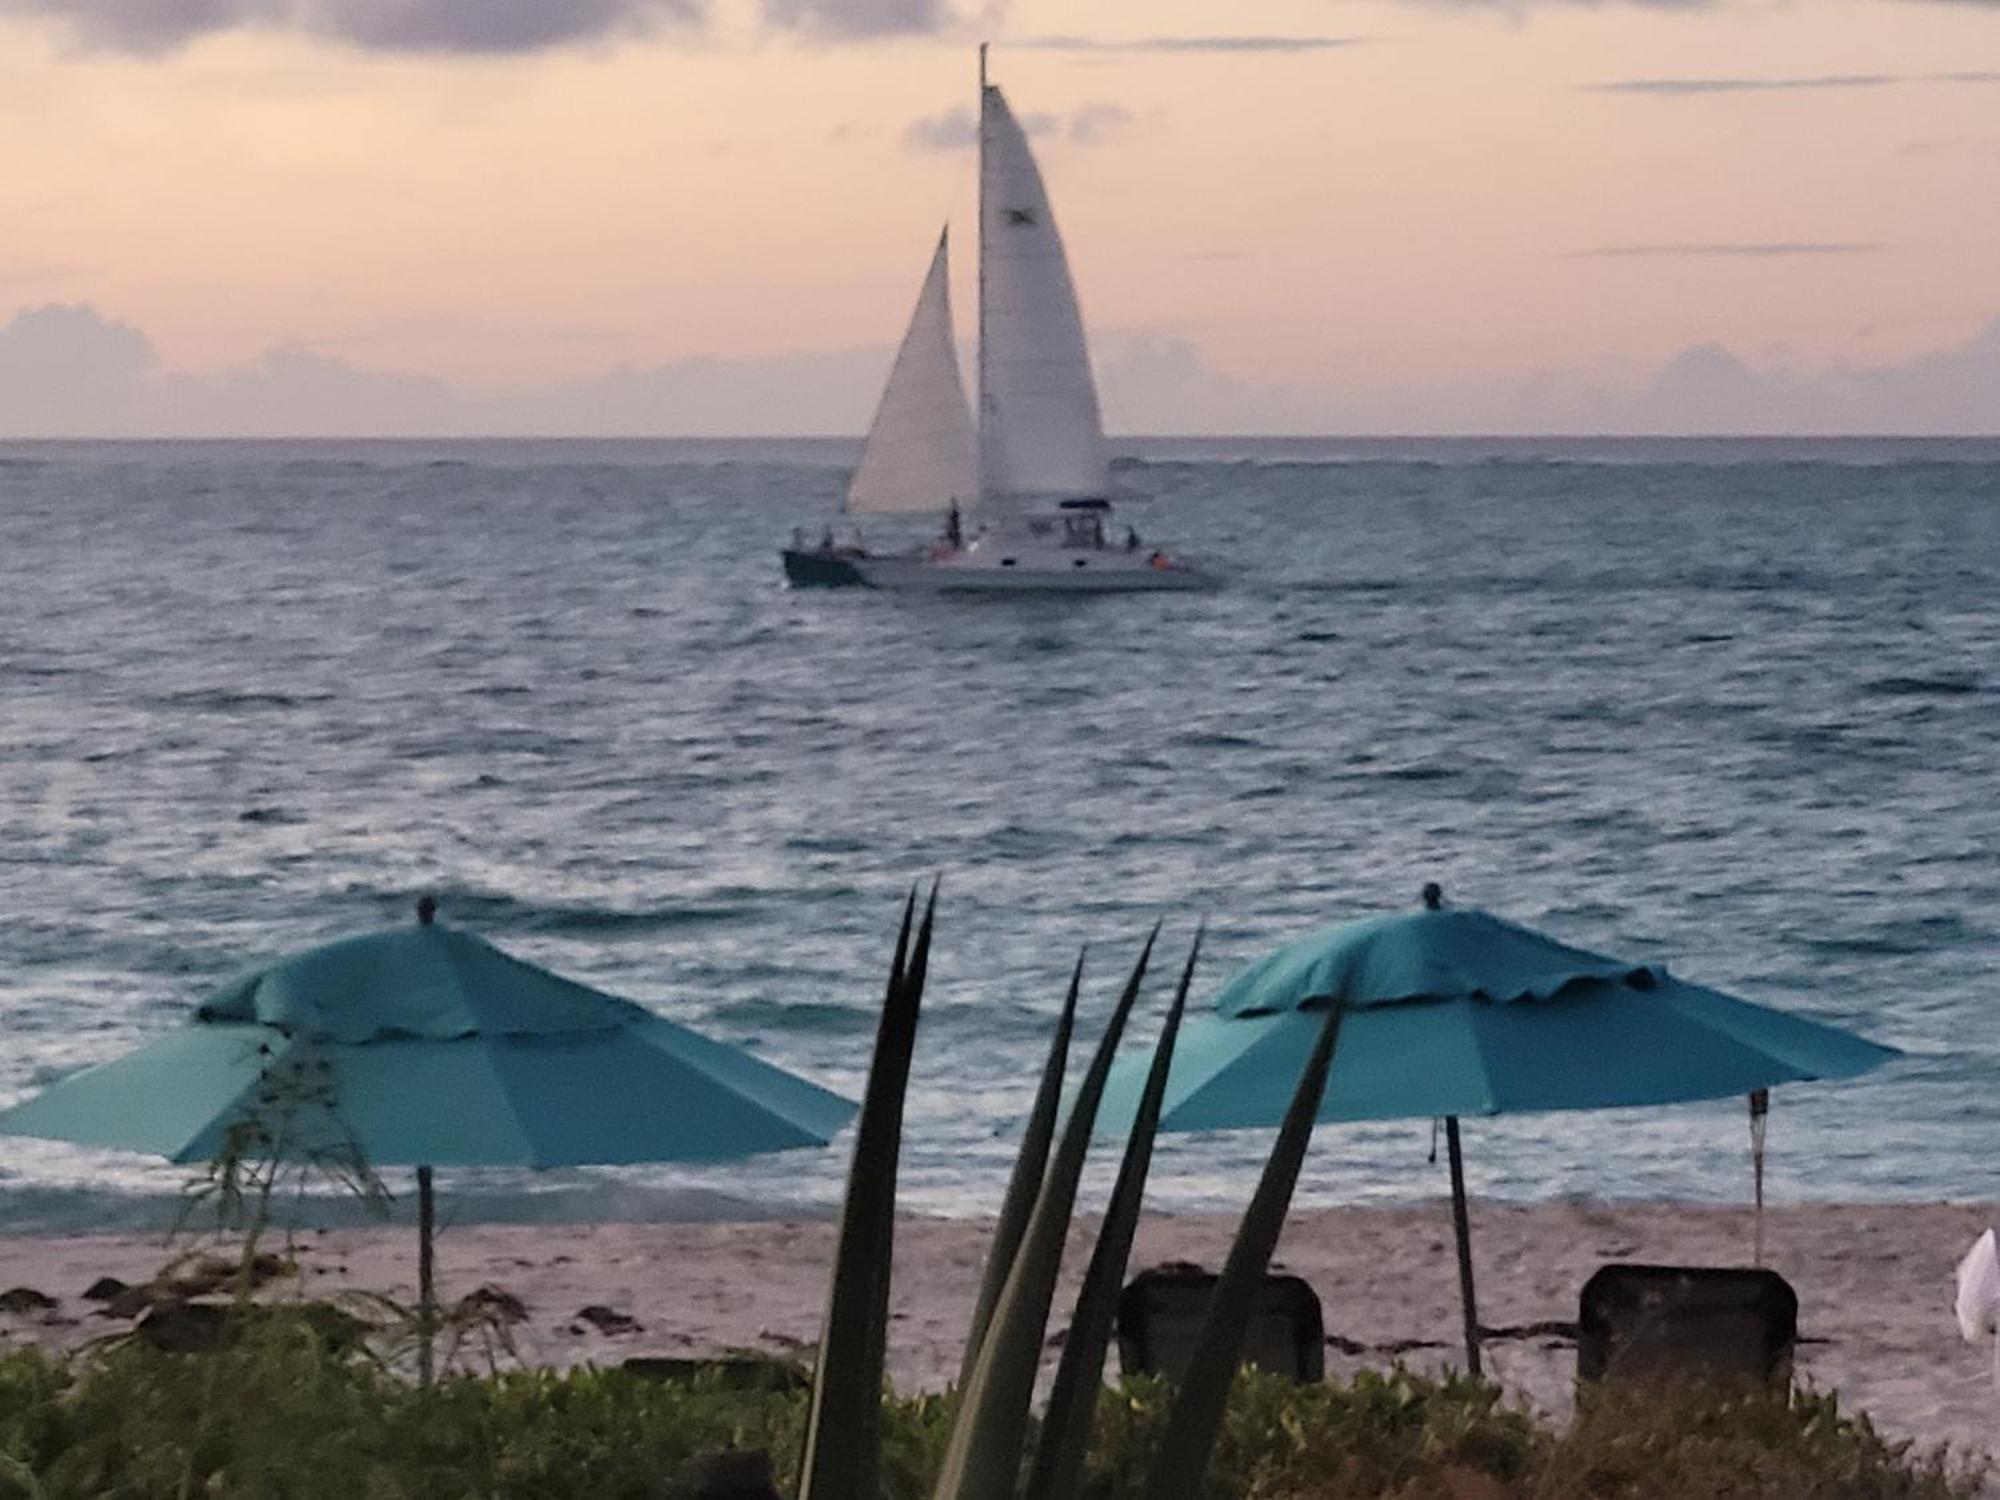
pixel 823 570
pixel 1095 576
pixel 1101 572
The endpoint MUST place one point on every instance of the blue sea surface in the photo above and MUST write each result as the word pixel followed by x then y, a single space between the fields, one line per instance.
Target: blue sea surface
pixel 1731 706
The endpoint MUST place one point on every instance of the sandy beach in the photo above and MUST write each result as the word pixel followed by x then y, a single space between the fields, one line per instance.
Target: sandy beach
pixel 1874 1285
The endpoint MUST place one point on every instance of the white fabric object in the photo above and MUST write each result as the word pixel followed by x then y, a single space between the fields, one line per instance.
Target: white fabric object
pixel 919 453
pixel 1979 1290
pixel 1040 433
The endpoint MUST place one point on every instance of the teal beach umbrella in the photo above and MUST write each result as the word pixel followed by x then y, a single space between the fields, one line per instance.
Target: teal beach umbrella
pixel 426 1046
pixel 1456 1012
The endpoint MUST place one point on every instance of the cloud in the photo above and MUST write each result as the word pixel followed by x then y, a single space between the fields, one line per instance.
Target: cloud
pixel 1155 382
pixel 1237 44
pixel 1682 88
pixel 1951 145
pixel 1765 250
pixel 848 20
pixel 1095 123
pixel 1159 382
pixel 153 27
pixel 1517 6
pixel 1685 87
pixel 298 392
pixel 957 128
pixel 66 369
pixel 71 371
pixel 447 26
pixel 823 391
pixel 1709 389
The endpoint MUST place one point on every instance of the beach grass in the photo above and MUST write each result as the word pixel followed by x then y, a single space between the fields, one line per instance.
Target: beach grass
pixel 280 1412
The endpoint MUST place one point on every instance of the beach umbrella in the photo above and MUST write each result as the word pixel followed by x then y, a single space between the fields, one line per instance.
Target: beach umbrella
pixel 1454 1012
pixel 426 1046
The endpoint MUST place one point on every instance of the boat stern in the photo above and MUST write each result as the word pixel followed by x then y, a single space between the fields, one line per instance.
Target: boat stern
pixel 822 569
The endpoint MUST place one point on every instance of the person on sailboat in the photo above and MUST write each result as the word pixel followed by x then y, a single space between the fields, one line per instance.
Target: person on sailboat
pixel 954 528
pixel 1131 539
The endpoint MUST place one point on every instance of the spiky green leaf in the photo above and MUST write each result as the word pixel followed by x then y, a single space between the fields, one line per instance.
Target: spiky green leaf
pixel 843 1444
pixel 1180 1469
pixel 1025 1185
pixel 982 1461
pixel 1058 1468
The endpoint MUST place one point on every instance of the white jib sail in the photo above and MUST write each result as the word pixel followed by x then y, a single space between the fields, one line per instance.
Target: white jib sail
pixel 919 453
pixel 1040 434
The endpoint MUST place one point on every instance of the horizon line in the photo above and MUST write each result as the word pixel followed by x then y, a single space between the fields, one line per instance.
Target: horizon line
pixel 1112 438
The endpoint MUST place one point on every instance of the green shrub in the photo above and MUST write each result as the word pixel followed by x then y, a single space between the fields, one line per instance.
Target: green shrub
pixel 1372 1437
pixel 1652 1444
pixel 283 1414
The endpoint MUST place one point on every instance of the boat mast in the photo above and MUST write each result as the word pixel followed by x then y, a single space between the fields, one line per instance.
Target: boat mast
pixel 985 386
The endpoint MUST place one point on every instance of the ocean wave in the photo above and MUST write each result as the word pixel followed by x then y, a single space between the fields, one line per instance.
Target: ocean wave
pixel 497 912
pixel 1733 709
pixel 1941 685
pixel 820 1018
pixel 233 700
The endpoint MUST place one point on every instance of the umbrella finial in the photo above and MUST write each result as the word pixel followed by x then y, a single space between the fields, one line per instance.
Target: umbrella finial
pixel 427 908
pixel 1433 896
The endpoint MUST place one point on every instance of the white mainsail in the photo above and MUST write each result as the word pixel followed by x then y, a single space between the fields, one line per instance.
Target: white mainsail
pixel 1040 434
pixel 919 453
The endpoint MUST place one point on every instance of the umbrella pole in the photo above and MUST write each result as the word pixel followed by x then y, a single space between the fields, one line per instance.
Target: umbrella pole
pixel 1760 1112
pixel 426 1279
pixel 1462 1226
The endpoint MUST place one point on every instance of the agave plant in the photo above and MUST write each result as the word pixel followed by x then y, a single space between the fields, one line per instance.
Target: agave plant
pixel 1057 1473
pixel 1025 1185
pixel 988 1445
pixel 1180 1468
pixel 843 1445
pixel 983 1459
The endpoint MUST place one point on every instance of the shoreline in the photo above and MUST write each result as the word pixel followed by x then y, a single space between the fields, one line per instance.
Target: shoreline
pixel 1874 1282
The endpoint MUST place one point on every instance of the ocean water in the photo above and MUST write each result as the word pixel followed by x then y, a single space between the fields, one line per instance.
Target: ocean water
pixel 1734 706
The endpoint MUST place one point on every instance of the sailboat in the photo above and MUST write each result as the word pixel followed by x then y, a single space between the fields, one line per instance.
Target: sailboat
pixel 1026 487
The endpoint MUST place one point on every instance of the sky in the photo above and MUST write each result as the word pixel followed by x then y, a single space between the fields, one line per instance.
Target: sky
pixel 271 217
